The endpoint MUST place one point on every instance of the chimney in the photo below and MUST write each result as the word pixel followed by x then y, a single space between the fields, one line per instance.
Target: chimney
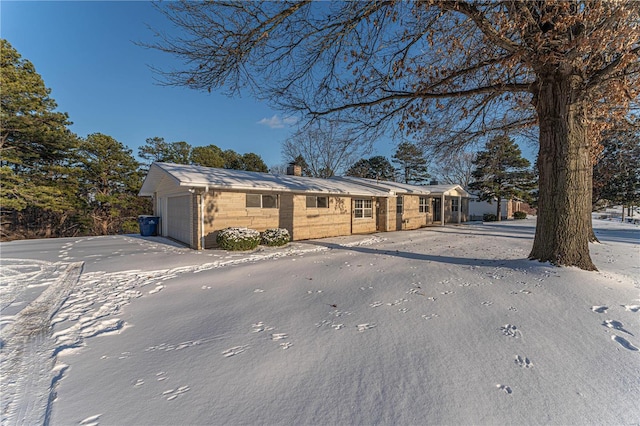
pixel 294 170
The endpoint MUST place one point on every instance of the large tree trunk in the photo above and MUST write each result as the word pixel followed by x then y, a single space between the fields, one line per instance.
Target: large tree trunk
pixel 564 207
pixel 499 210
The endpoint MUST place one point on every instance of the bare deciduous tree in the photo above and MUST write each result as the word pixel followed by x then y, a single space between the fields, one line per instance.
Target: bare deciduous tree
pixel 442 71
pixel 326 149
pixel 456 168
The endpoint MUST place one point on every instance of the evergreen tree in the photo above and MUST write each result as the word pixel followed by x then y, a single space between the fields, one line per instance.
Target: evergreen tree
pixel 35 148
pixel 157 149
pixel 413 164
pixel 502 173
pixel 377 167
pixel 616 175
pixel 110 182
pixel 208 156
pixel 253 163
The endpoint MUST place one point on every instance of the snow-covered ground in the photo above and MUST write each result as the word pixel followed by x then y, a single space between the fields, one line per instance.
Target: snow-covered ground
pixel 444 325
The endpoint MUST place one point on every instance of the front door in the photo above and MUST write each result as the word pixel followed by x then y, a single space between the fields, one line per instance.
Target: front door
pixel 437 209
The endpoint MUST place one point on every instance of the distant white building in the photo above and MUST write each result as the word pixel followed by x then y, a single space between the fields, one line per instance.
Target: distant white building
pixel 477 208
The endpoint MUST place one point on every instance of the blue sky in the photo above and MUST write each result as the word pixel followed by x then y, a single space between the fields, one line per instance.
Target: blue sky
pixel 86 55
pixel 85 52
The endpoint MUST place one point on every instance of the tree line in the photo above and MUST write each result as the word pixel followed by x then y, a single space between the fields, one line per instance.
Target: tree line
pixel 56 184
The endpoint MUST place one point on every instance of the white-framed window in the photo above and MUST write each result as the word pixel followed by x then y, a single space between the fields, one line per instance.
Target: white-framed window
pixel 424 205
pixel 262 201
pixel 362 208
pixel 317 202
pixel 399 205
pixel 455 206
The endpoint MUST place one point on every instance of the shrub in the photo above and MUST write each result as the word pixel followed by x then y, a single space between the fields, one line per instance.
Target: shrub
pixel 489 217
pixel 519 215
pixel 275 237
pixel 238 239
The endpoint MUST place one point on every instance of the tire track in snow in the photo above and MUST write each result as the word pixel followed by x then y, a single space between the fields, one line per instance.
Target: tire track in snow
pixel 26 368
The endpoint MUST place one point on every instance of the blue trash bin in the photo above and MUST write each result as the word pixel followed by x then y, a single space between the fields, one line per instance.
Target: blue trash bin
pixel 148 225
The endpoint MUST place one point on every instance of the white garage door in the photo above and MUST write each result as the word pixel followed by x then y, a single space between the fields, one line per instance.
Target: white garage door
pixel 178 218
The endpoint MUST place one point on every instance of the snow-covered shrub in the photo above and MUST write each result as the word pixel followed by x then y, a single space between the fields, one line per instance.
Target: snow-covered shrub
pixel 275 237
pixel 519 215
pixel 238 239
pixel 489 217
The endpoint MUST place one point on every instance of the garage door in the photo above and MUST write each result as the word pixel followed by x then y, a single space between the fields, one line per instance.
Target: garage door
pixel 178 218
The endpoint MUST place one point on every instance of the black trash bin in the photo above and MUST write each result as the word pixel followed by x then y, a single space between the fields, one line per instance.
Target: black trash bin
pixel 148 225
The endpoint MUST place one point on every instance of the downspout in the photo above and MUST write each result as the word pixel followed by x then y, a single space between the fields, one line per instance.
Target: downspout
pixel 386 218
pixel 202 194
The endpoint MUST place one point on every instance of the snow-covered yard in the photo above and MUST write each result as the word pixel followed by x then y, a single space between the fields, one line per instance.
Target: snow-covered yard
pixel 444 325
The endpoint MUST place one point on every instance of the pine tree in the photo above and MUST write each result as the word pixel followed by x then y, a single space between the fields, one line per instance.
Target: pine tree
pixel 377 167
pixel 413 164
pixel 502 173
pixel 616 175
pixel 208 156
pixel 110 181
pixel 35 151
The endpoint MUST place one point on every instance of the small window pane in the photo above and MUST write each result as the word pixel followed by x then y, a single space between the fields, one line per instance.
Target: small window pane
pixel 311 201
pixel 253 200
pixel 399 205
pixel 269 201
pixel 424 205
pixel 323 202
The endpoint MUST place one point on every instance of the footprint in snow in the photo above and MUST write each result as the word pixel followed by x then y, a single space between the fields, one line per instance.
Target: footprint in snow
pixel 505 388
pixel 511 331
pixel 366 326
pixel 616 325
pixel 632 308
pixel 624 343
pixel 172 394
pixel 376 304
pixel 279 336
pixel 91 421
pixel 234 351
pixel 599 309
pixel 157 289
pixel 523 362
pixel 260 327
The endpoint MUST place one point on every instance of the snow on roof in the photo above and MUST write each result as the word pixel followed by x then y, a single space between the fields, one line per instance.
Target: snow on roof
pixel 447 189
pixel 213 178
pixel 395 187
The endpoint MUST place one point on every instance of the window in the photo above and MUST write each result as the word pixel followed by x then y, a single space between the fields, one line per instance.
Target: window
pixel 424 205
pixel 254 200
pixel 262 201
pixel 399 205
pixel 454 205
pixel 317 202
pixel 362 209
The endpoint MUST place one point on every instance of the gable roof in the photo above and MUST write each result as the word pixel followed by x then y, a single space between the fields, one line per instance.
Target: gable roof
pixel 191 176
pixel 448 189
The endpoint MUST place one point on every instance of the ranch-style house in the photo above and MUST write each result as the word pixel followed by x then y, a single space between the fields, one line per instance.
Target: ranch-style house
pixel 195 202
